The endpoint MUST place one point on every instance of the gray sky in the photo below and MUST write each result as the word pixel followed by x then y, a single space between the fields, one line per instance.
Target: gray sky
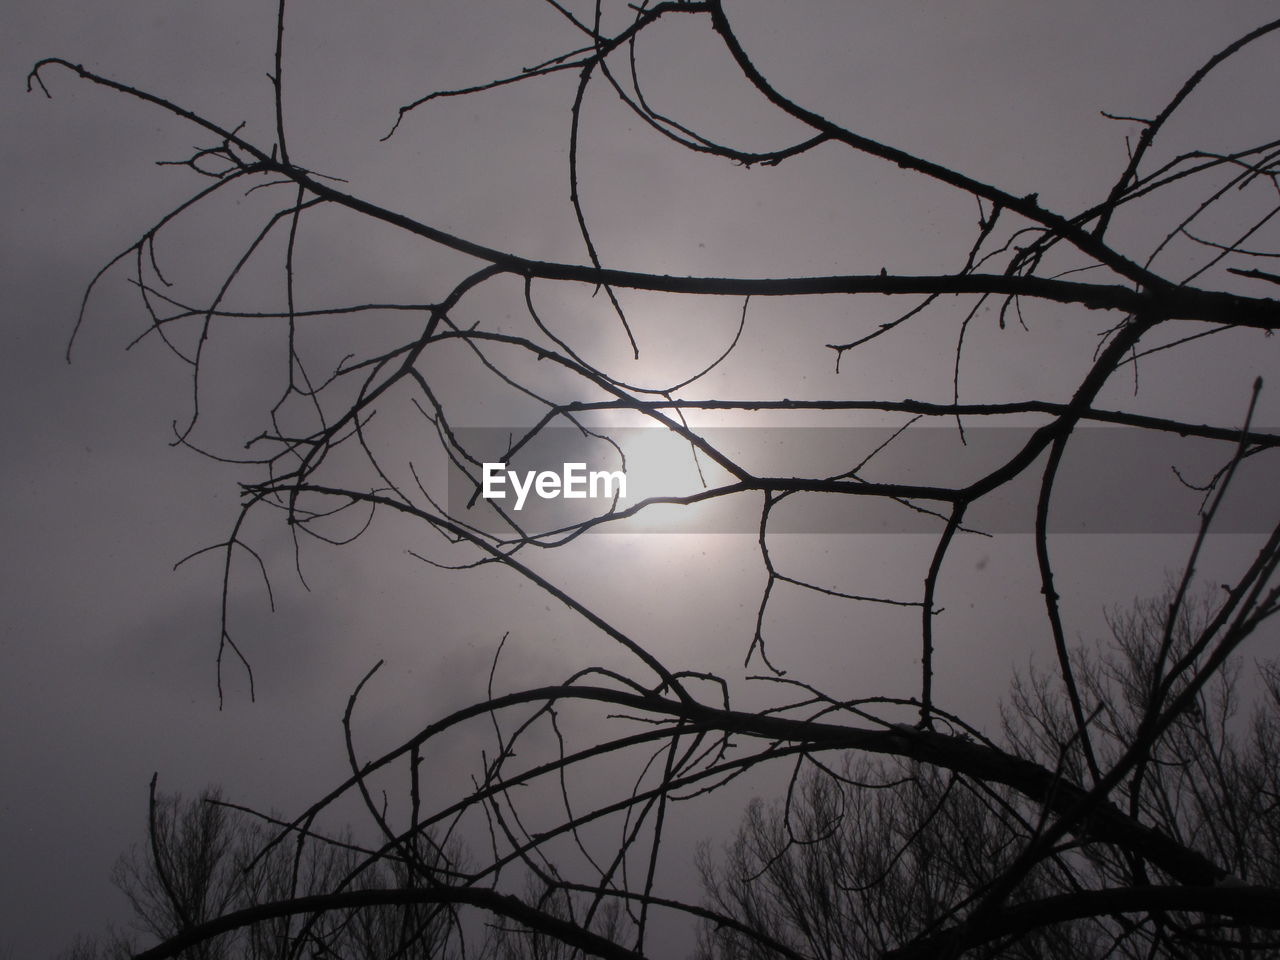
pixel 107 655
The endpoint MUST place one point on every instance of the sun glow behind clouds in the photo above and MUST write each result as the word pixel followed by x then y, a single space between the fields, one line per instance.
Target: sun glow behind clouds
pixel 661 463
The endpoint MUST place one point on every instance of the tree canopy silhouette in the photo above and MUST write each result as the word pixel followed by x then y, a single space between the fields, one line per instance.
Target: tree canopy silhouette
pixel 854 862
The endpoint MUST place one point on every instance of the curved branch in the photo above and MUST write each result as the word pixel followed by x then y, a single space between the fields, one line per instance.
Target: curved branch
pixel 503 905
pixel 1255 906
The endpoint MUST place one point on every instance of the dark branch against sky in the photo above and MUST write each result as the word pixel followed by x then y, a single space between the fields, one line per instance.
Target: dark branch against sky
pixel 108 656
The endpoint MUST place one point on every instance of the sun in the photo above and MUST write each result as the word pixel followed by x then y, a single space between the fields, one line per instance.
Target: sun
pixel 662 464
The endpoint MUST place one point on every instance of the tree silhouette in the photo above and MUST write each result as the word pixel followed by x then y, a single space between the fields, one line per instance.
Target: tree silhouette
pixel 858 861
pixel 204 859
pixel 584 776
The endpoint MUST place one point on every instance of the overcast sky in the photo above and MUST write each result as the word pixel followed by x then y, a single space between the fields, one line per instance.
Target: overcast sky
pixel 107 654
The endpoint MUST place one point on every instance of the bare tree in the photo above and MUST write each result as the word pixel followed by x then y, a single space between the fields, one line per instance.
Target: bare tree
pixel 855 862
pixel 204 859
pixel 582 781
